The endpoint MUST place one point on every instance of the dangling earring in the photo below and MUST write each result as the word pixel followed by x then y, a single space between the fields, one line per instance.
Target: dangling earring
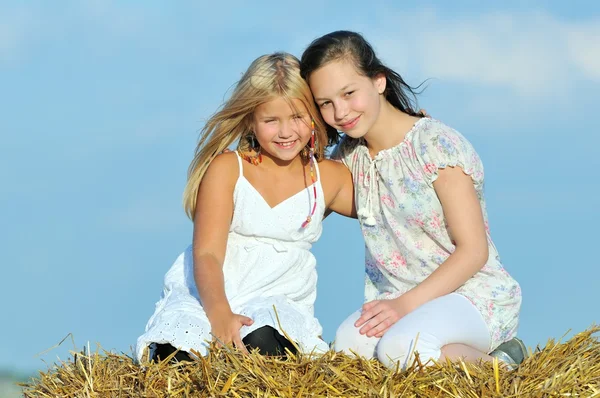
pixel 255 146
pixel 253 142
pixel 313 177
pixel 305 153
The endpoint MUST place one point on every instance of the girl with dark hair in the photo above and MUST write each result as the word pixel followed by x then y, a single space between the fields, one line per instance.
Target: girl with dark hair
pixel 434 281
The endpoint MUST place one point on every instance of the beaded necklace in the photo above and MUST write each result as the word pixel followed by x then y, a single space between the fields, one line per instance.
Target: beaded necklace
pixel 311 156
pixel 255 159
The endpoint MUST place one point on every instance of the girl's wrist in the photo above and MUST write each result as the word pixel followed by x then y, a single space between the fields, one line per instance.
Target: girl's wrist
pixel 416 297
pixel 218 310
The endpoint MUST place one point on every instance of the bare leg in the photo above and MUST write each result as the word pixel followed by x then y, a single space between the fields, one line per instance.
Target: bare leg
pixel 464 352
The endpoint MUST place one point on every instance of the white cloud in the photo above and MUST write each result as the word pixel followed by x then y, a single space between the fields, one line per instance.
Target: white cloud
pixel 584 48
pixel 534 54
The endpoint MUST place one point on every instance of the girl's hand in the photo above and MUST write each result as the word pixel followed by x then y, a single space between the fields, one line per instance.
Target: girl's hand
pixel 226 329
pixel 379 315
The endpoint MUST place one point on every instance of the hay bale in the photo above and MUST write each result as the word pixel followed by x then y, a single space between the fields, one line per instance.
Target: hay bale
pixel 559 369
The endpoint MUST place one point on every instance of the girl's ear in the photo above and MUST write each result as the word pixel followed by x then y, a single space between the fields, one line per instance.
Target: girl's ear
pixel 380 82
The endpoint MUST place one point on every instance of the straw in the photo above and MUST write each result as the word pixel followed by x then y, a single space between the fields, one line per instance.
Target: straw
pixel 570 369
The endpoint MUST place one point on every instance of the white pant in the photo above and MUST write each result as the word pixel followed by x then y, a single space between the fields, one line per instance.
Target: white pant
pixel 450 319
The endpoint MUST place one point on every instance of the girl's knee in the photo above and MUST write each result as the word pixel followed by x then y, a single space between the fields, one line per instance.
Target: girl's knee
pixel 393 351
pixel 164 350
pixel 349 340
pixel 399 350
pixel 346 337
pixel 269 342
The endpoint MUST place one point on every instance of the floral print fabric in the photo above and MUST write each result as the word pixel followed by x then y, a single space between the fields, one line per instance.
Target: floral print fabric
pixel 407 237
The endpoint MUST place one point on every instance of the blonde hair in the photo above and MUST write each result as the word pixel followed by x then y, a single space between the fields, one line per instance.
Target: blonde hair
pixel 268 77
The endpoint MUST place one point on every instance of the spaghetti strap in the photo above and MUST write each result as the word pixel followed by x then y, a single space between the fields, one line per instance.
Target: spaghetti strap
pixel 239 158
pixel 318 174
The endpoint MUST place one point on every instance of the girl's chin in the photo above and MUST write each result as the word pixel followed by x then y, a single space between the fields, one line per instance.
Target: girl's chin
pixel 354 134
pixel 285 155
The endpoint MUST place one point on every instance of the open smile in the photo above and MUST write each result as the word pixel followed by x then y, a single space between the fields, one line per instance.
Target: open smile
pixel 286 144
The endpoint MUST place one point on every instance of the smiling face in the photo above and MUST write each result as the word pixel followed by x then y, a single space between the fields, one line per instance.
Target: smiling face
pixel 348 101
pixel 282 129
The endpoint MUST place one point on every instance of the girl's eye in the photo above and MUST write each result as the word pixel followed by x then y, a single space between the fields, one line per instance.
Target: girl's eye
pixel 349 93
pixel 269 121
pixel 323 104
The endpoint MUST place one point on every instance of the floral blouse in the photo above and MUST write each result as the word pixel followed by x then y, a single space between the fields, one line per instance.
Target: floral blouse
pixel 403 222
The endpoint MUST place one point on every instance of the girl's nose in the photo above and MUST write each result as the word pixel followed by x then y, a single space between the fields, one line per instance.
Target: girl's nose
pixel 341 111
pixel 286 130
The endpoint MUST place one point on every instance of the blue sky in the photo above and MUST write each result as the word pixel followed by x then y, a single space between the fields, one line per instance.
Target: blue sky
pixel 101 106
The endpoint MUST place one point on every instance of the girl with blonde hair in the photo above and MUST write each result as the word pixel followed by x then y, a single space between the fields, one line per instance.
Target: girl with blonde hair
pixel 248 278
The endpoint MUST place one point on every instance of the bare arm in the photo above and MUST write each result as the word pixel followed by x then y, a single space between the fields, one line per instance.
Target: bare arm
pixel 465 219
pixel 342 199
pixel 214 210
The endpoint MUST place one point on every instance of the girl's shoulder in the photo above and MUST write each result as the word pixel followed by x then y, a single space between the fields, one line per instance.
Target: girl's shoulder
pixel 226 160
pixel 332 168
pixel 226 167
pixel 428 130
pixel 431 137
pixel 334 174
pixel 435 145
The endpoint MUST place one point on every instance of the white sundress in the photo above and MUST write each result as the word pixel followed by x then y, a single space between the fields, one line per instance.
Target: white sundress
pixel 267 263
pixel 404 227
